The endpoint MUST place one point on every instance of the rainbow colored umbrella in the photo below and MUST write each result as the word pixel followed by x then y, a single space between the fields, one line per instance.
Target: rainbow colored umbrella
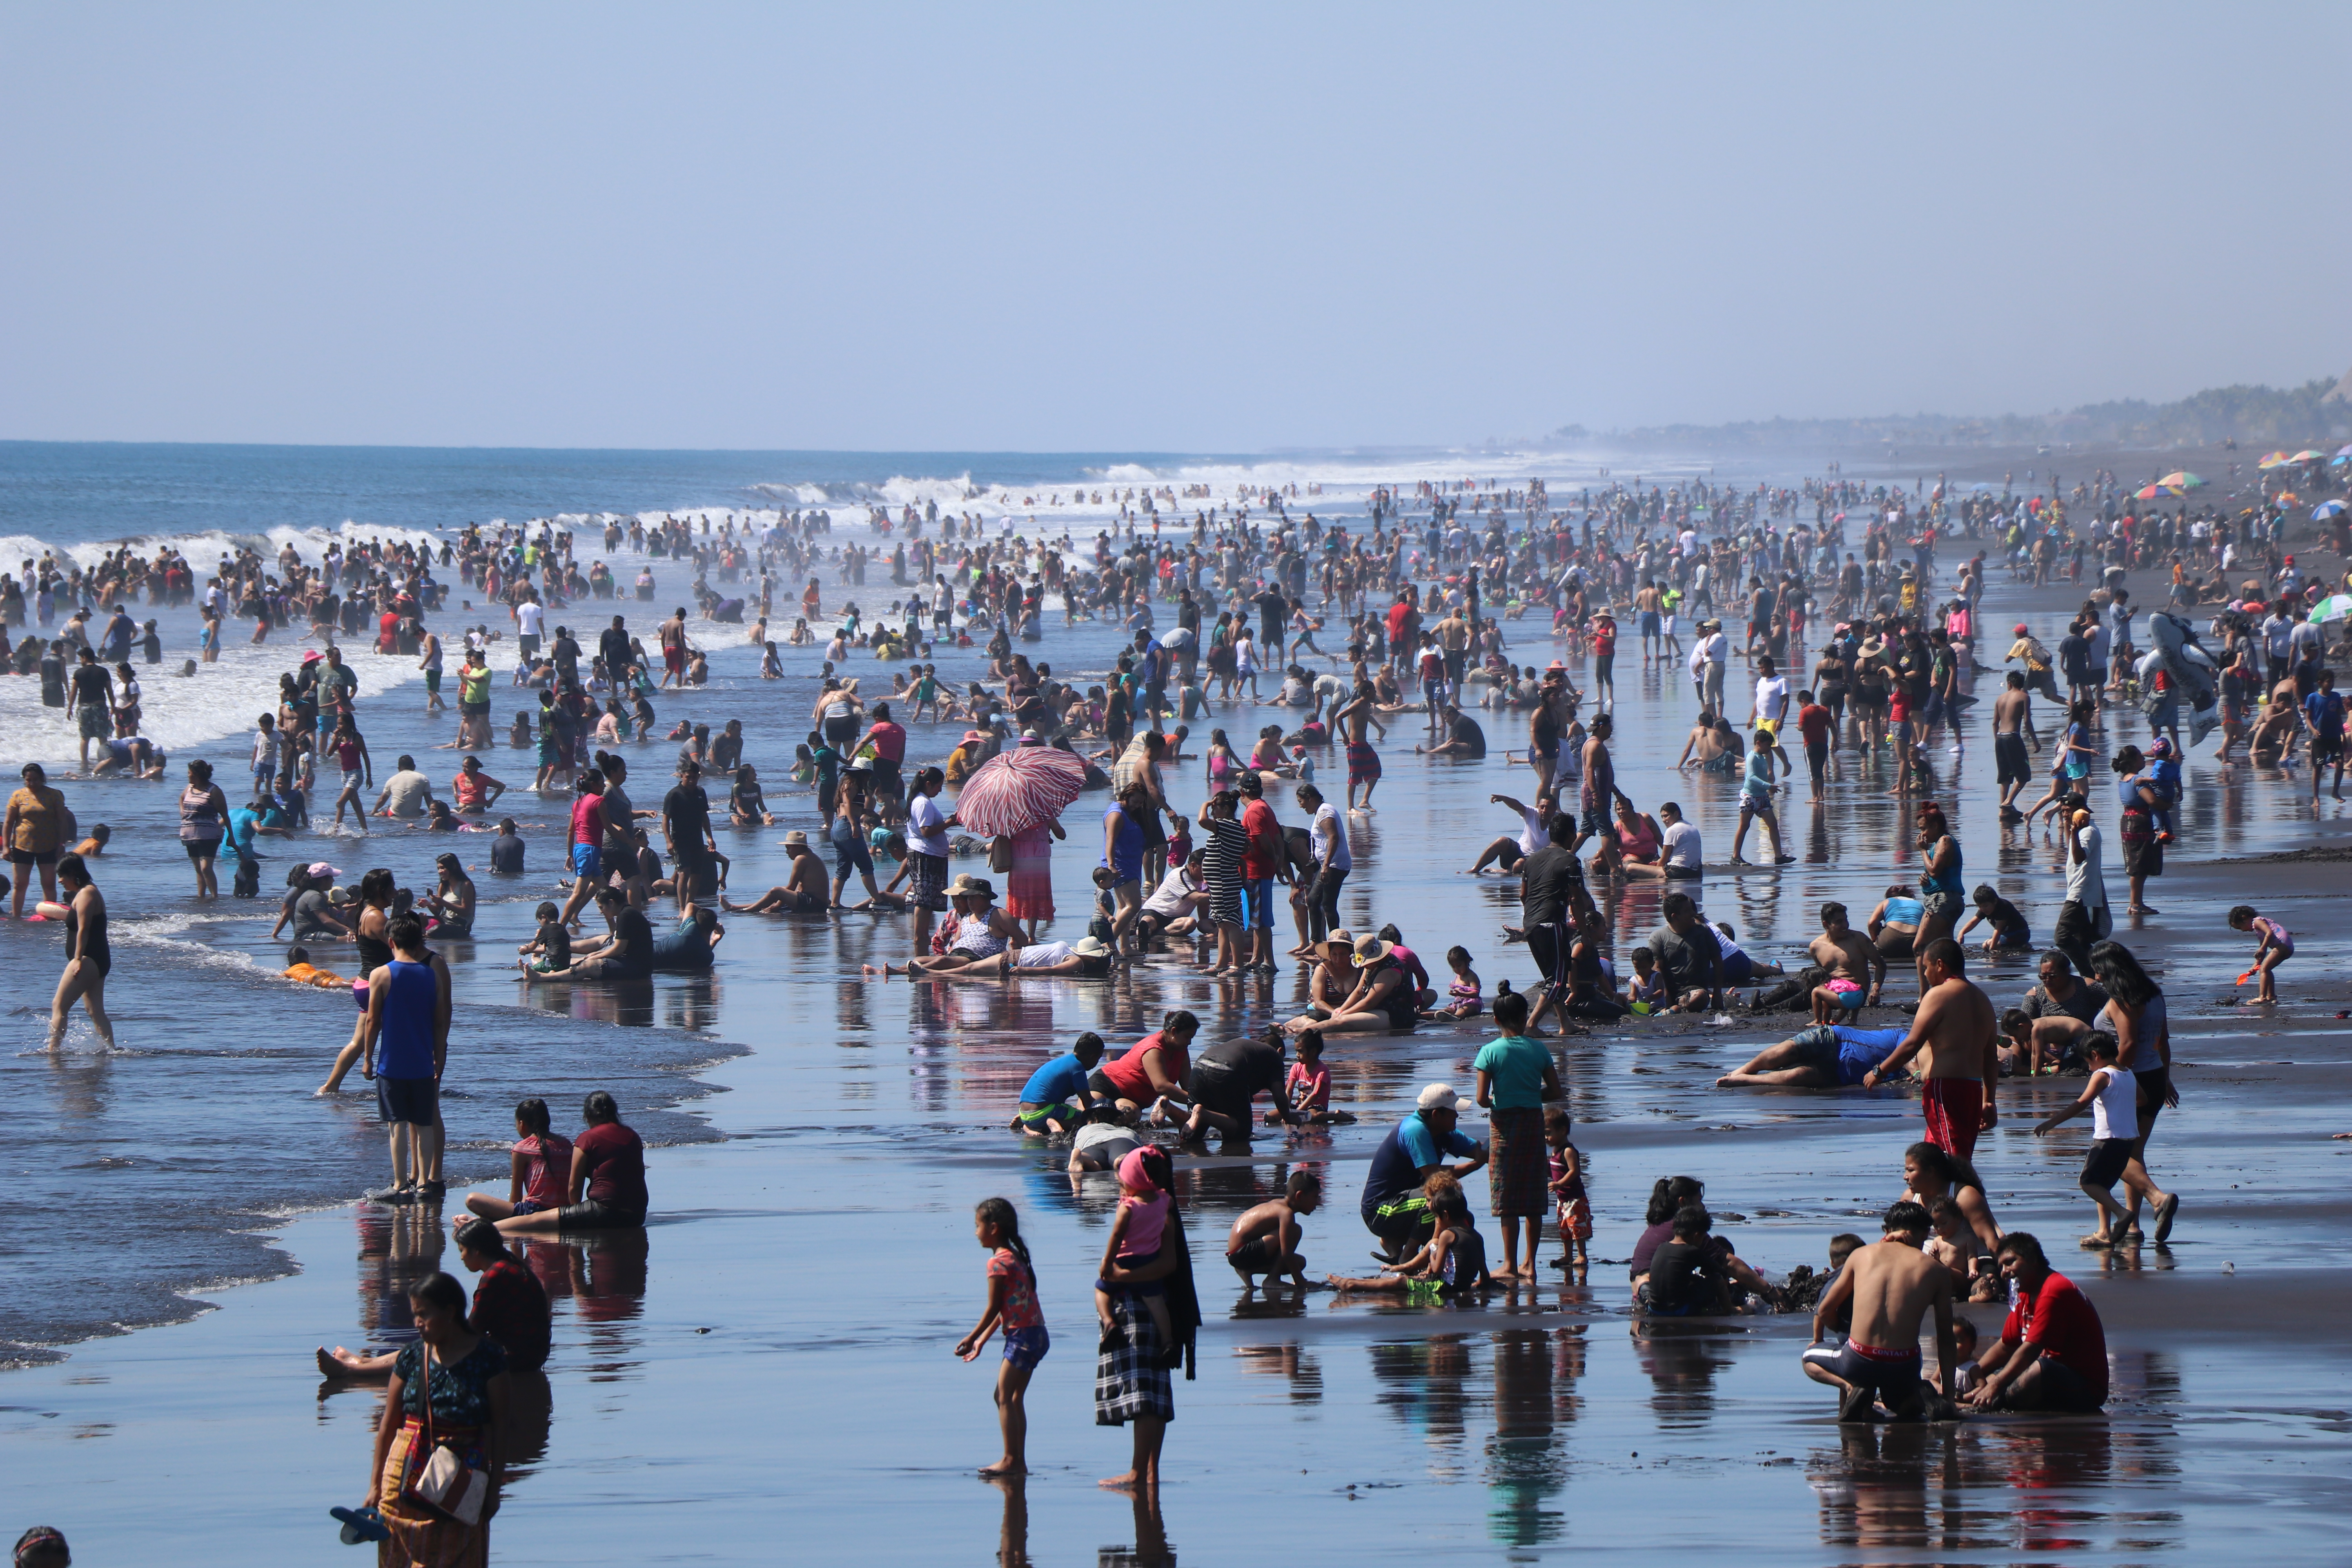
pixel 2309 456
pixel 2184 480
pixel 2275 460
pixel 1015 791
pixel 2155 492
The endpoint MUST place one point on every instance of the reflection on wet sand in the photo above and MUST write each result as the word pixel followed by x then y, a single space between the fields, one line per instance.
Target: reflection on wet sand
pixel 2057 1484
pixel 1424 1383
pixel 1682 1362
pixel 1535 1374
pixel 1150 1549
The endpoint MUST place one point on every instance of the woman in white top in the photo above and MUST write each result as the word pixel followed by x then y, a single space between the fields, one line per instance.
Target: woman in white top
pixel 2135 1012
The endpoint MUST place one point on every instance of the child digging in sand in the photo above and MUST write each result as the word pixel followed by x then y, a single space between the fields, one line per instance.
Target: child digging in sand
pixel 1309 1087
pixel 1134 1241
pixel 2277 947
pixel 1454 1261
pixel 1264 1239
pixel 1012 1307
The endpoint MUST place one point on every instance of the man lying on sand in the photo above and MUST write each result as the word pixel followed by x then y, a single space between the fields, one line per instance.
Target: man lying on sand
pixel 1826 1055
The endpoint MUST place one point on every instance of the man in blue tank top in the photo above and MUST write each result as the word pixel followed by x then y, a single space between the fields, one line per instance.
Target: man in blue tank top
pixel 406 1045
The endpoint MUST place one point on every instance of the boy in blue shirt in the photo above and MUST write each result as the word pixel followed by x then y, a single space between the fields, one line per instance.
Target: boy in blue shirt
pixel 1046 1109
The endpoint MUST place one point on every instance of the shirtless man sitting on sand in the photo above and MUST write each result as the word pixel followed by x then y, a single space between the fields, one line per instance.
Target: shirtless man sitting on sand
pixel 805 891
pixel 1957 1025
pixel 1891 1284
pixel 1857 969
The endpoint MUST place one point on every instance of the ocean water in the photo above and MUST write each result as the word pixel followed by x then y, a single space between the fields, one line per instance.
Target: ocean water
pixel 779 1340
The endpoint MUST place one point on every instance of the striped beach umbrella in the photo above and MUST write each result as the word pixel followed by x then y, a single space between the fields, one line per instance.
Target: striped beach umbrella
pixel 1015 791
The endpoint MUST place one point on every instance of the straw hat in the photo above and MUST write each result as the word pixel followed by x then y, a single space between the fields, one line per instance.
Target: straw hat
pixel 796 839
pixel 1089 946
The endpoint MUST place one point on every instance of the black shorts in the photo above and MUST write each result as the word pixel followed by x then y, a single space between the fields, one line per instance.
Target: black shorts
pixel 590 1215
pixel 1895 1379
pixel 1547 944
pixel 2063 1388
pixel 1219 1091
pixel 2155 1083
pixel 44 856
pixel 474 709
pixel 2103 1167
pixel 1511 855
pixel 1259 1255
pixel 416 1101
pixel 2009 760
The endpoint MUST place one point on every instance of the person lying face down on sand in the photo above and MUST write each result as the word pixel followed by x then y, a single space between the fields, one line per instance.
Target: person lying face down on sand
pixel 1825 1056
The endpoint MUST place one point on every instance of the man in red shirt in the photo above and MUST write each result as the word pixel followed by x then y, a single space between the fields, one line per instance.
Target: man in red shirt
pixel 1816 724
pixel 587 844
pixel 2053 1353
pixel 1263 863
pixel 1405 629
pixel 889 740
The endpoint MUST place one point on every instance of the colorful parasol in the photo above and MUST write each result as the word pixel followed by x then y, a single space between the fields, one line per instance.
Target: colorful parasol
pixel 2153 492
pixel 2183 481
pixel 2309 456
pixel 2335 607
pixel 2275 460
pixel 1018 790
pixel 2326 509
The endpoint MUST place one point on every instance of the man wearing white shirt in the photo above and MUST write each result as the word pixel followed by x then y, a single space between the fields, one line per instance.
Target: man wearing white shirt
pixel 1771 702
pixel 1680 852
pixel 1533 836
pixel 531 618
pixel 1707 657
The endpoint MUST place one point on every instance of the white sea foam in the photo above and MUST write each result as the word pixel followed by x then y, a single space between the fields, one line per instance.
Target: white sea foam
pixel 187 714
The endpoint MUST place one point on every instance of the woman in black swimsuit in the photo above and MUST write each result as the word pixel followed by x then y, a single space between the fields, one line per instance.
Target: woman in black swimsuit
pixel 88 957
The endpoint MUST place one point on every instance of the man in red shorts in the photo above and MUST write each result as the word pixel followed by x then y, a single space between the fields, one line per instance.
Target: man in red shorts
pixel 1957 1026
pixel 1352 717
pixel 673 647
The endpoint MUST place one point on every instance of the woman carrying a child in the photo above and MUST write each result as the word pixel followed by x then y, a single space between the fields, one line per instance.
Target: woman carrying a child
pixel 1132 1372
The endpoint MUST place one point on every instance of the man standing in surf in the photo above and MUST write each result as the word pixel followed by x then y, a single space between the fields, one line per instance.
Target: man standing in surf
pixel 1363 763
pixel 1957 1026
pixel 673 647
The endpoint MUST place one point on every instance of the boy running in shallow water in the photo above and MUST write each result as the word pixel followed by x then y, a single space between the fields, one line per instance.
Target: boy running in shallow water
pixel 2277 947
pixel 1264 1239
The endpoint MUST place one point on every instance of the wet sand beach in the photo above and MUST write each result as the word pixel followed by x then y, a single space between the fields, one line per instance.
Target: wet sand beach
pixel 767 1371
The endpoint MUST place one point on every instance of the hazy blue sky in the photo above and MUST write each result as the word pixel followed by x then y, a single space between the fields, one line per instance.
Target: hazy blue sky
pixel 1181 227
